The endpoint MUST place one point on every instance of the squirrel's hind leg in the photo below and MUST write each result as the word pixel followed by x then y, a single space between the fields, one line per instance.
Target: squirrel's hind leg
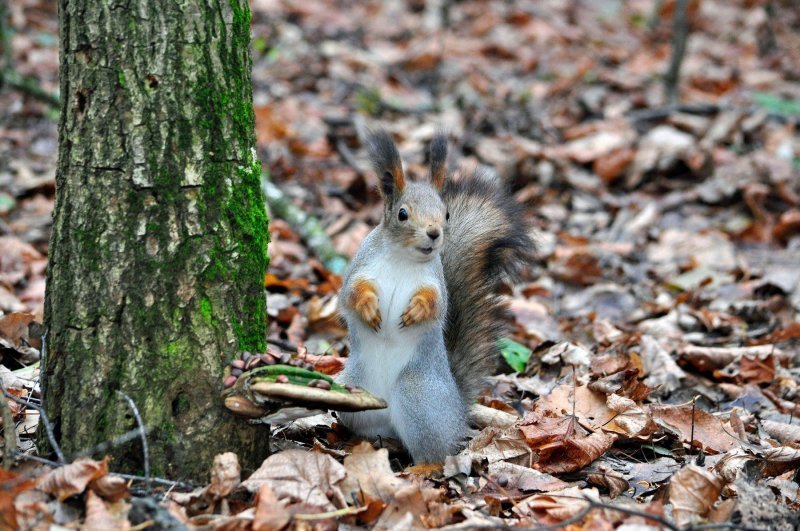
pixel 428 414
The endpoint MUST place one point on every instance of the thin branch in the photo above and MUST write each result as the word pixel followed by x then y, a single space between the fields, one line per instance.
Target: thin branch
pixel 29 86
pixel 43 365
pixel 680 33
pixel 142 434
pixel 104 446
pixel 9 432
pixel 161 481
pixel 285 345
pixel 308 227
pixel 48 427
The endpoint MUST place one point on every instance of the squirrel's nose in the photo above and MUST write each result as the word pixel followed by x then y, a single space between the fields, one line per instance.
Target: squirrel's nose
pixel 433 233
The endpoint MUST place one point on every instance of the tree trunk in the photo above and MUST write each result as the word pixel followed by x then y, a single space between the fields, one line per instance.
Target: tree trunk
pixel 159 245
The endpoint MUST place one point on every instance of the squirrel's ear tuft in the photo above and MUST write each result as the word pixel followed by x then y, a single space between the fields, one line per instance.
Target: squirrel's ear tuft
pixel 386 162
pixel 438 160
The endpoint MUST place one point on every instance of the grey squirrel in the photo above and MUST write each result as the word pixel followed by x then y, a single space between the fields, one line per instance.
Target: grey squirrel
pixel 420 299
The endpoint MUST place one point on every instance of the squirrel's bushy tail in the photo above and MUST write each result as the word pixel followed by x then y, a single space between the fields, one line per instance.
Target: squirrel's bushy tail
pixel 488 240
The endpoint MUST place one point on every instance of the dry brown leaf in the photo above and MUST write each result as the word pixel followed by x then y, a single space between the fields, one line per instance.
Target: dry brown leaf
pixel 611 165
pixel 111 488
pixel 524 478
pixel 11 484
pixel 225 475
pixel 562 445
pixel 100 518
pixel 782 454
pixel 567 353
pixel 482 416
pixel 413 506
pixel 14 327
pixel 662 372
pixel 71 479
pixel 301 475
pixel 369 474
pixel 556 506
pixel 610 479
pixel 732 463
pixel 692 493
pixel 589 406
pixel 16 254
pixel 713 358
pixel 631 420
pixel 781 432
pixel 499 444
pixel 592 147
pixel 624 383
pixel 710 433
pixel 270 513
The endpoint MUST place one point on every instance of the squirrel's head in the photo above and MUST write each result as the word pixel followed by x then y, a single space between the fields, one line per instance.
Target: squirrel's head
pixel 414 214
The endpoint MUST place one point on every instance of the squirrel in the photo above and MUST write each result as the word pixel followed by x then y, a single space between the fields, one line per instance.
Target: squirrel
pixel 420 299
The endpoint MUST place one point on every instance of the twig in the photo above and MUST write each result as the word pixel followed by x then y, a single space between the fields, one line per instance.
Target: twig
pixel 691 433
pixel 330 514
pixel 48 427
pixel 168 482
pixel 5 42
pixel 29 86
pixel 285 345
pixel 159 481
pixel 43 365
pixel 142 434
pixel 680 32
pixel 307 226
pixel 644 115
pixel 9 432
pixel 116 441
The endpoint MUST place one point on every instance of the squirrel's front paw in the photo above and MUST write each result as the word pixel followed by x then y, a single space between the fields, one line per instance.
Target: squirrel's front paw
pixel 422 307
pixel 364 300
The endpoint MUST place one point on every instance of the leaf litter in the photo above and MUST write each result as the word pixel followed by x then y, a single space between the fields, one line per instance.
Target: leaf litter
pixel 661 316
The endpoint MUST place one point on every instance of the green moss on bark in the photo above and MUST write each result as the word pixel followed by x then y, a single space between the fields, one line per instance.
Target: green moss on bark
pixel 160 234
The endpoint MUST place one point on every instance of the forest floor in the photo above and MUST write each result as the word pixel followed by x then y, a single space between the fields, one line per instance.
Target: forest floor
pixel 663 387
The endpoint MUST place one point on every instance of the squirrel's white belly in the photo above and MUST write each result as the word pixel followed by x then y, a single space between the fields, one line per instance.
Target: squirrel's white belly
pixel 385 353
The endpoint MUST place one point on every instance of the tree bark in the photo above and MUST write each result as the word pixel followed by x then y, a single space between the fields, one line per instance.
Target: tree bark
pixel 159 244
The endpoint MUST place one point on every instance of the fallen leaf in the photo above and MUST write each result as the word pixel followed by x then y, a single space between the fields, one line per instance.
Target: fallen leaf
pixel 369 474
pixel 524 478
pixel 498 444
pixel 561 445
pixel 610 479
pixel 589 406
pixel 301 475
pixel 631 419
pixel 781 431
pixel 71 479
pixel 11 484
pixel 100 518
pixel 663 373
pixel 14 327
pixel 225 475
pixel 555 507
pixel 111 488
pixel 710 434
pixel 692 493
pixel 270 513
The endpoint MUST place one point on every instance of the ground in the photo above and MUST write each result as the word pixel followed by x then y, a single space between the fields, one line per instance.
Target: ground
pixel 662 312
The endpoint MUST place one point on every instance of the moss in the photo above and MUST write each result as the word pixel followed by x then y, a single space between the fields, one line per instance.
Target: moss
pixel 240 248
pixel 207 311
pixel 121 78
pixel 172 348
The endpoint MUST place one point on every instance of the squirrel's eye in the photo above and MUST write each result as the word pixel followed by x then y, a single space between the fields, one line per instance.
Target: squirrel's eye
pixel 447 217
pixel 402 215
